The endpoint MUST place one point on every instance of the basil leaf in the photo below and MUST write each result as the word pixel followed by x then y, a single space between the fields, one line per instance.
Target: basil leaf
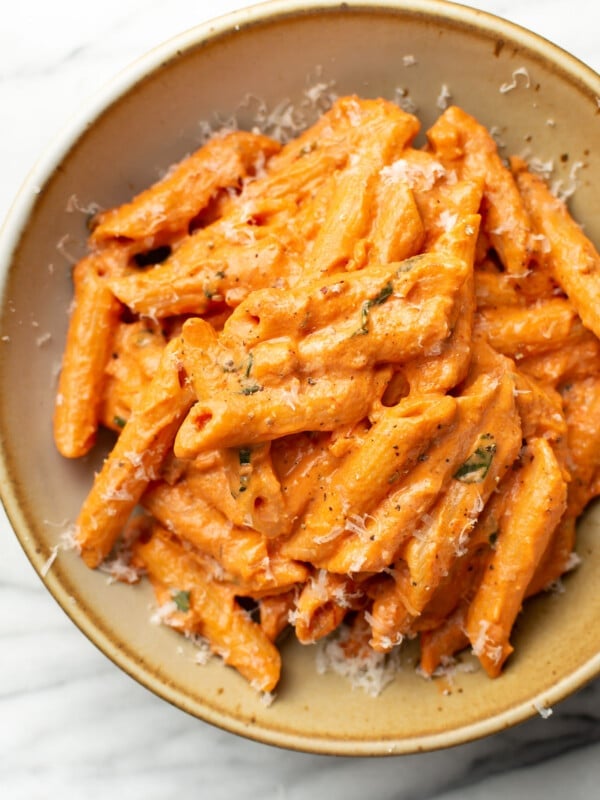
pixel 252 389
pixel 181 599
pixel 378 300
pixel 477 465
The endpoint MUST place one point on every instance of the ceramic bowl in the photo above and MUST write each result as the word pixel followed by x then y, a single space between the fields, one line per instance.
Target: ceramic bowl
pixel 149 116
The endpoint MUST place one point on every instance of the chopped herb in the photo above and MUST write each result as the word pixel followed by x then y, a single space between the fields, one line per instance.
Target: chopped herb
pixel 252 389
pixel 378 300
pixel 249 365
pixel 383 295
pixel 245 453
pixel 181 599
pixel 208 293
pixel 219 274
pixel 493 538
pixel 119 421
pixel 477 465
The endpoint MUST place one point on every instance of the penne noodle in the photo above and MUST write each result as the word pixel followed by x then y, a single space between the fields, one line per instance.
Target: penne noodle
pixel 171 204
pixel 91 329
pixel 529 331
pixel 212 608
pixel 322 605
pixel 397 231
pixel 537 500
pixel 463 144
pixel 135 459
pixel 242 485
pixel 136 351
pixel 574 260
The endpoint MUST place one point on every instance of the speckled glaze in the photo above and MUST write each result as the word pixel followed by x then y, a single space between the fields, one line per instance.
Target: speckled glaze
pixel 150 116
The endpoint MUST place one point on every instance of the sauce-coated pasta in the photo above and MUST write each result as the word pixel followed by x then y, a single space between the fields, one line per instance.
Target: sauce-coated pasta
pixel 352 380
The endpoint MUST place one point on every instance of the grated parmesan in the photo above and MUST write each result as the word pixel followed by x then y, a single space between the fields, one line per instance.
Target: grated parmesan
pixel 542 710
pixel 63 248
pixel 520 72
pixel 403 99
pixel 73 204
pixel 369 670
pixel 563 190
pixel 67 541
pixel 482 644
pixel 444 97
pixel 418 175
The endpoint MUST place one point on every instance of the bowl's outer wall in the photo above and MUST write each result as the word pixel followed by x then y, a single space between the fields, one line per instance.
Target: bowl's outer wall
pixel 552 113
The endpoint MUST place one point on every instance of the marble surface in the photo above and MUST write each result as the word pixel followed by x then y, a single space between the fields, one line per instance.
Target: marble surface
pixel 74 726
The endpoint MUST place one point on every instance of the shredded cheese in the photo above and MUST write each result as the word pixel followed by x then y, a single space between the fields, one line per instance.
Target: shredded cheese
pixel 520 72
pixel 368 671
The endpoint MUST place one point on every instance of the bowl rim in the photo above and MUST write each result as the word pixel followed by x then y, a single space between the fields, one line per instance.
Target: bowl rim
pixel 14 227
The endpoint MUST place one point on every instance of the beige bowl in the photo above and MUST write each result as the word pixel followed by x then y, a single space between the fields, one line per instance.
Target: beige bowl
pixel 150 116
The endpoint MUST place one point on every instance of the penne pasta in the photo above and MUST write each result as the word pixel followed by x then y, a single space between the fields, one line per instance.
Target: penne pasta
pixel 93 321
pixel 465 145
pixel 172 203
pixel 573 259
pixel 210 609
pixel 354 384
pixel 135 459
pixel 537 500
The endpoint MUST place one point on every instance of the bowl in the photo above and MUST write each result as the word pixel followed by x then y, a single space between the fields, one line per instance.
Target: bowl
pixel 279 55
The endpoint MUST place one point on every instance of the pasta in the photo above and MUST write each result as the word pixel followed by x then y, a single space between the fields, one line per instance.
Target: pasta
pixel 353 382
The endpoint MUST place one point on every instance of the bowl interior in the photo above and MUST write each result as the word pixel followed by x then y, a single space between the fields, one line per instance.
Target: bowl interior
pixel 283 53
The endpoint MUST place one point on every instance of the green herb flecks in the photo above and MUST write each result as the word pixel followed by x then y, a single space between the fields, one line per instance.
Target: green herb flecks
pixel 249 365
pixel 252 389
pixel 365 310
pixel 477 465
pixel 119 421
pixel 181 599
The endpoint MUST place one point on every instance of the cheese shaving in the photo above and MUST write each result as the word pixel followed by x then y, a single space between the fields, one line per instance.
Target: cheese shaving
pixel 368 671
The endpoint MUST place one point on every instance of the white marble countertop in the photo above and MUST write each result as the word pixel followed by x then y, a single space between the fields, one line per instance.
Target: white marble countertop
pixel 72 725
